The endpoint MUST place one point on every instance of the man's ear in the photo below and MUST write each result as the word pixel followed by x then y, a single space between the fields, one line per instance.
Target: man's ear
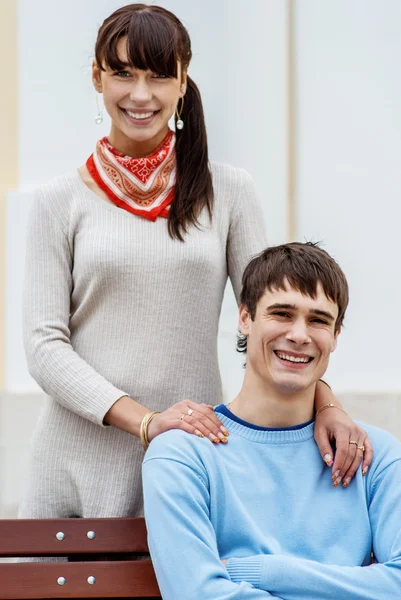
pixel 337 333
pixel 97 77
pixel 244 319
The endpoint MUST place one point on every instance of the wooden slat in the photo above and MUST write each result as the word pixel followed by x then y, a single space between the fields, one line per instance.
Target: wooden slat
pixel 37 537
pixel 119 579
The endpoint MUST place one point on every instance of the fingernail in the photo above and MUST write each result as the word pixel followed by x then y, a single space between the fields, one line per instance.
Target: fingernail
pixel 213 438
pixel 365 470
pixel 222 438
pixel 224 430
pixel 328 460
pixel 335 475
pixel 346 482
pixel 337 482
pixel 199 433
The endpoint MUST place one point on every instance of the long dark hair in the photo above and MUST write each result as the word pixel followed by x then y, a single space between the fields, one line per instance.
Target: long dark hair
pixel 157 40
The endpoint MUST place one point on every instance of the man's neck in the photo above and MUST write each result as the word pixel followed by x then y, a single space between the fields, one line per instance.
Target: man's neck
pixel 269 407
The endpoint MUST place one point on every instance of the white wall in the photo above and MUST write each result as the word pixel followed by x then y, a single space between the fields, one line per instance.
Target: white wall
pixel 349 178
pixel 239 65
pixel 348 140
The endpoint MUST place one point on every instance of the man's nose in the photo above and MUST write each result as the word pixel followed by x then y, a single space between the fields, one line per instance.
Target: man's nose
pixel 298 333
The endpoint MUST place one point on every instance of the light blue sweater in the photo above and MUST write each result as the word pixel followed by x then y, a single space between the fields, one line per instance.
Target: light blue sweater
pixel 265 501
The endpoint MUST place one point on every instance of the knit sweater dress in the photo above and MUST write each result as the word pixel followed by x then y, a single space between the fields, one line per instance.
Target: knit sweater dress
pixel 113 306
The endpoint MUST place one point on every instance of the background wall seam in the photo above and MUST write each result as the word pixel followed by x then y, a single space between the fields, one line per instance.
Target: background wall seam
pixel 8 150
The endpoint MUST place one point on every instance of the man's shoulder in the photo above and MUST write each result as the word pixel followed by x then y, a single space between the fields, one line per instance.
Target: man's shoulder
pixel 179 446
pixel 386 447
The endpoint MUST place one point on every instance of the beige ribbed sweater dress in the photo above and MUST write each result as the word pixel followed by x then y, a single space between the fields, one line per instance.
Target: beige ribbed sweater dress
pixel 114 306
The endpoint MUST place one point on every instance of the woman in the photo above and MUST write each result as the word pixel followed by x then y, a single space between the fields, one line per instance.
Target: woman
pixel 126 266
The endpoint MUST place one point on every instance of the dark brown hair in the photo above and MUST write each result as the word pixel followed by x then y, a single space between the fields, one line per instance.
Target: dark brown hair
pixel 303 266
pixel 157 40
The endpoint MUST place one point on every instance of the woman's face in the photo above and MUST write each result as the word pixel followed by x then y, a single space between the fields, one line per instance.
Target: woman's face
pixel 140 104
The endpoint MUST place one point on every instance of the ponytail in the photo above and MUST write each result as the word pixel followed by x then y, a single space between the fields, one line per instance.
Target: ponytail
pixel 194 188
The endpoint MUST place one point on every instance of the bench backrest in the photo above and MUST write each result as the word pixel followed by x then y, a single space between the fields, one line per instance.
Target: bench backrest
pixel 101 563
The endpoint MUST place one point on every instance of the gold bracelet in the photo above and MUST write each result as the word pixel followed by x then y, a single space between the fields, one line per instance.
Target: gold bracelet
pixel 143 430
pixel 328 406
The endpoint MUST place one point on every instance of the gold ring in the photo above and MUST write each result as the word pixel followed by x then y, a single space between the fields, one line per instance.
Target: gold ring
pixel 190 411
pixel 353 442
pixel 361 448
pixel 182 417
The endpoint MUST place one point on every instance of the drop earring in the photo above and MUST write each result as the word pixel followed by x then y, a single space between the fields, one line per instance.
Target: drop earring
pixel 179 122
pixel 99 117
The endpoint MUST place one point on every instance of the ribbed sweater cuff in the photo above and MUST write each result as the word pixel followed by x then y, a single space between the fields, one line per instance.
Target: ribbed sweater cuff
pixel 245 569
pixel 104 403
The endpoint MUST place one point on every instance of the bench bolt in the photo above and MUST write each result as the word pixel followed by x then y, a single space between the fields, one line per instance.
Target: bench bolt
pixel 60 536
pixel 61 581
pixel 91 535
pixel 91 580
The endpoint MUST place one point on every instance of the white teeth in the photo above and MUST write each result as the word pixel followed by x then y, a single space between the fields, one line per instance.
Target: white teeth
pixel 139 115
pixel 294 359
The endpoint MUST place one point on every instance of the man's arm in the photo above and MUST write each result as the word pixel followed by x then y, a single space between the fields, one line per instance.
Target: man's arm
pixel 181 538
pixel 300 579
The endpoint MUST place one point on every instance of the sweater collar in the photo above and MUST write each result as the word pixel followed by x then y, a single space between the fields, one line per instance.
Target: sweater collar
pixel 264 435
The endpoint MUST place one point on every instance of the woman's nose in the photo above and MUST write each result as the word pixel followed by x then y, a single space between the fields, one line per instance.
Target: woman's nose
pixel 140 92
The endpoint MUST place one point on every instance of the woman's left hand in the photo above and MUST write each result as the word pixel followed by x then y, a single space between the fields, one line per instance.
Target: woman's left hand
pixel 333 424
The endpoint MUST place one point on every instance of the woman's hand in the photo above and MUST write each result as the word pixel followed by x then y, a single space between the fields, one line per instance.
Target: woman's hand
pixel 333 424
pixel 198 419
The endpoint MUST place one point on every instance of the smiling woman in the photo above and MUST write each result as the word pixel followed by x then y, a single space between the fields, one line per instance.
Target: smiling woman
pixel 127 261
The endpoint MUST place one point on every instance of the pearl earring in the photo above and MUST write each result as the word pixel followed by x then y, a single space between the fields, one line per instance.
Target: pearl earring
pixel 180 123
pixel 99 117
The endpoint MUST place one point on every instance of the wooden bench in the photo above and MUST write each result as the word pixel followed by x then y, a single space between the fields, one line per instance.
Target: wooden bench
pixel 101 559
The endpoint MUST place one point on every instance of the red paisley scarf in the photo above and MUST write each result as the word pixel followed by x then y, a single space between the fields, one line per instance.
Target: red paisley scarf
pixel 143 186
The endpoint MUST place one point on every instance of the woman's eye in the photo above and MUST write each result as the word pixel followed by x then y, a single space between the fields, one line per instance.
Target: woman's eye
pixel 159 76
pixel 122 74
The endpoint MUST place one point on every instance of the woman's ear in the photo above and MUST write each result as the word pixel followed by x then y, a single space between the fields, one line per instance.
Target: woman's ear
pixel 183 86
pixel 97 77
pixel 244 319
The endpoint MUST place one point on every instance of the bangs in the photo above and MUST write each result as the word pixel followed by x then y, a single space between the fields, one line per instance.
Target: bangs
pixel 152 44
pixel 303 278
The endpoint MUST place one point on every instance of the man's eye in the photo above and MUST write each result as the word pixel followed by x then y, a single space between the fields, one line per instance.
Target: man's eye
pixel 282 314
pixel 321 321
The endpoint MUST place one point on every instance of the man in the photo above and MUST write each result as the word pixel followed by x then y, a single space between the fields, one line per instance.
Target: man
pixel 259 518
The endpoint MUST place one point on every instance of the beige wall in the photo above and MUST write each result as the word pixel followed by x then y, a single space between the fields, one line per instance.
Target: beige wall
pixel 9 143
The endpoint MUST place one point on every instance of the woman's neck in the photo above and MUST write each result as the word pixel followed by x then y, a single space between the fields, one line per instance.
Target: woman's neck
pixel 135 148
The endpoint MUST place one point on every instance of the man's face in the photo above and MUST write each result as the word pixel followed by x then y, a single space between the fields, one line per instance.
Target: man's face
pixel 291 338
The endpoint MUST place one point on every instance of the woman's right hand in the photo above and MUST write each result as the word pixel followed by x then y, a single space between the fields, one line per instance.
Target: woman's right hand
pixel 198 419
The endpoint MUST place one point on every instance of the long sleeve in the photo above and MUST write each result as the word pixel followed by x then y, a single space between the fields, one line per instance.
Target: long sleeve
pixel 181 538
pixel 300 579
pixel 247 235
pixel 52 361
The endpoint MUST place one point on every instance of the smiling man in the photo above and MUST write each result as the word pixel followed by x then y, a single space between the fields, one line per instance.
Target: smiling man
pixel 259 518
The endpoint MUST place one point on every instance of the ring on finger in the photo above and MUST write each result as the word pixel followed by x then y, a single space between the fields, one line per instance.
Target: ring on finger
pixel 353 442
pixel 190 411
pixel 182 417
pixel 361 448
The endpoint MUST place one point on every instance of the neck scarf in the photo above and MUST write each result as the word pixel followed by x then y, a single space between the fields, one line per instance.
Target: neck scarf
pixel 143 186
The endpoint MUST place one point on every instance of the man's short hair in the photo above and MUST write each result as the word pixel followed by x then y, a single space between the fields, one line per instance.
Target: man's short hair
pixel 303 265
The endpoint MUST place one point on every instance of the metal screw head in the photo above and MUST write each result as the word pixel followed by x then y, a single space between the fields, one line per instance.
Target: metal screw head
pixel 91 535
pixel 61 581
pixel 60 535
pixel 91 580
